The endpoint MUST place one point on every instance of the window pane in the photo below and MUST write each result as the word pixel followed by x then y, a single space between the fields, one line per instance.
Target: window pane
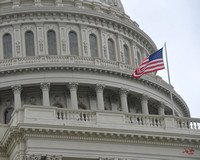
pixel 93 46
pixel 7 46
pixel 111 49
pixel 126 54
pixel 73 43
pixel 8 114
pixel 30 49
pixel 52 47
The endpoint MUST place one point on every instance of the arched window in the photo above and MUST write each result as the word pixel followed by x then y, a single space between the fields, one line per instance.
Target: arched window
pixel 51 38
pixel 111 49
pixel 93 46
pixel 73 43
pixel 126 54
pixel 29 41
pixel 7 46
pixel 8 114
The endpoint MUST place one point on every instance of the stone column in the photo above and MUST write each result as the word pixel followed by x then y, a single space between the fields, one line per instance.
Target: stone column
pixel 17 96
pixel 123 97
pixel 73 94
pixel 144 103
pixel 100 100
pixel 161 109
pixel 45 93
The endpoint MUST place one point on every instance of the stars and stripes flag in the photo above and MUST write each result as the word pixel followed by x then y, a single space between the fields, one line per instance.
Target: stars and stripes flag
pixel 152 63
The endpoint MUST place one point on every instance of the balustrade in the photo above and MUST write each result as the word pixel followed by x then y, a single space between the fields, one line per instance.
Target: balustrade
pixel 188 123
pixel 76 115
pixel 145 120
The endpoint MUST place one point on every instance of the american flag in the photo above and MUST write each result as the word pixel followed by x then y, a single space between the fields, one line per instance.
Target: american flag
pixel 152 63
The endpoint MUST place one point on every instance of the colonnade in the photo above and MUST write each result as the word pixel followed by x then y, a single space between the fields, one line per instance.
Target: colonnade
pixel 73 86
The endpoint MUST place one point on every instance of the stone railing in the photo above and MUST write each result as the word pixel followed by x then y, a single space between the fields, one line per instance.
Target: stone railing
pixel 109 119
pixel 76 115
pixel 145 120
pixel 37 60
pixel 187 123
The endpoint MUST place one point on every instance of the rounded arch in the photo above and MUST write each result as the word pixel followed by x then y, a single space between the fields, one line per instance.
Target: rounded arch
pixel 7 46
pixel 111 49
pixel 52 43
pixel 73 43
pixel 93 45
pixel 29 43
pixel 126 54
pixel 8 114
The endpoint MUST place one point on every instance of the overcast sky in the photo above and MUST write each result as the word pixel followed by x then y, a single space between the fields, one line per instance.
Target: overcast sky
pixel 176 22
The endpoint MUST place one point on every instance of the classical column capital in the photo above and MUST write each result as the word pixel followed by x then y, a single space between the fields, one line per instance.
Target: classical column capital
pixel 45 86
pixel 32 157
pixel 144 97
pixel 100 87
pixel 123 91
pixel 50 157
pixel 73 85
pixel 17 88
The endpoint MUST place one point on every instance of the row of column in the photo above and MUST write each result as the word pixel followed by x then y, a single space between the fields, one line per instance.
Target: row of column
pixel 73 86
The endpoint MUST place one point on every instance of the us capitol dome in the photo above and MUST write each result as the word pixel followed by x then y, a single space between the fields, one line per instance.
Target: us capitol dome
pixel 67 91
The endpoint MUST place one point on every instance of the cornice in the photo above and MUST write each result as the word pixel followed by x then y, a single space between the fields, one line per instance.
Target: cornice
pixel 100 135
pixel 147 80
pixel 126 28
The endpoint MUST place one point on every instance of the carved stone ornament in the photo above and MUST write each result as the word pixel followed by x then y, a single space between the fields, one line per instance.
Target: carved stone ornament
pixel 17 88
pixel 85 48
pixel 41 45
pixel 59 3
pixel 100 87
pixel 124 91
pixel 45 85
pixel 50 157
pixel 16 3
pixel 73 85
pixel 105 51
pixel 38 2
pixel 18 47
pixel 63 45
pixel 32 157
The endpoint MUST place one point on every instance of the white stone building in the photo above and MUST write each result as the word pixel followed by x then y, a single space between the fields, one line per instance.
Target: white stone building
pixel 66 90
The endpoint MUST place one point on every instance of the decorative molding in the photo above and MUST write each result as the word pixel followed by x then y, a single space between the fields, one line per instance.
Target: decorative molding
pixel 124 91
pixel 50 157
pixel 100 87
pixel 45 86
pixel 16 88
pixel 32 157
pixel 73 85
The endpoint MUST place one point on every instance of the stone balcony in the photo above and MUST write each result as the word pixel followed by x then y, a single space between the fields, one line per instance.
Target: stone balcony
pixel 103 122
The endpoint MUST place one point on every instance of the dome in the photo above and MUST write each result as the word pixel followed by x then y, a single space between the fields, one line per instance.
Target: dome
pixel 66 85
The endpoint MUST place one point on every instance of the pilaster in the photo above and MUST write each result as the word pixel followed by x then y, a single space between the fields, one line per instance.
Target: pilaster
pixel 17 41
pixel 63 39
pixel 40 38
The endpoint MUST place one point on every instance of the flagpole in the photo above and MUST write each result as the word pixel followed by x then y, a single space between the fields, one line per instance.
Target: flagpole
pixel 171 96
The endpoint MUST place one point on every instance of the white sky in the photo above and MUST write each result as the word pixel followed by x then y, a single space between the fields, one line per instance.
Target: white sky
pixel 176 22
